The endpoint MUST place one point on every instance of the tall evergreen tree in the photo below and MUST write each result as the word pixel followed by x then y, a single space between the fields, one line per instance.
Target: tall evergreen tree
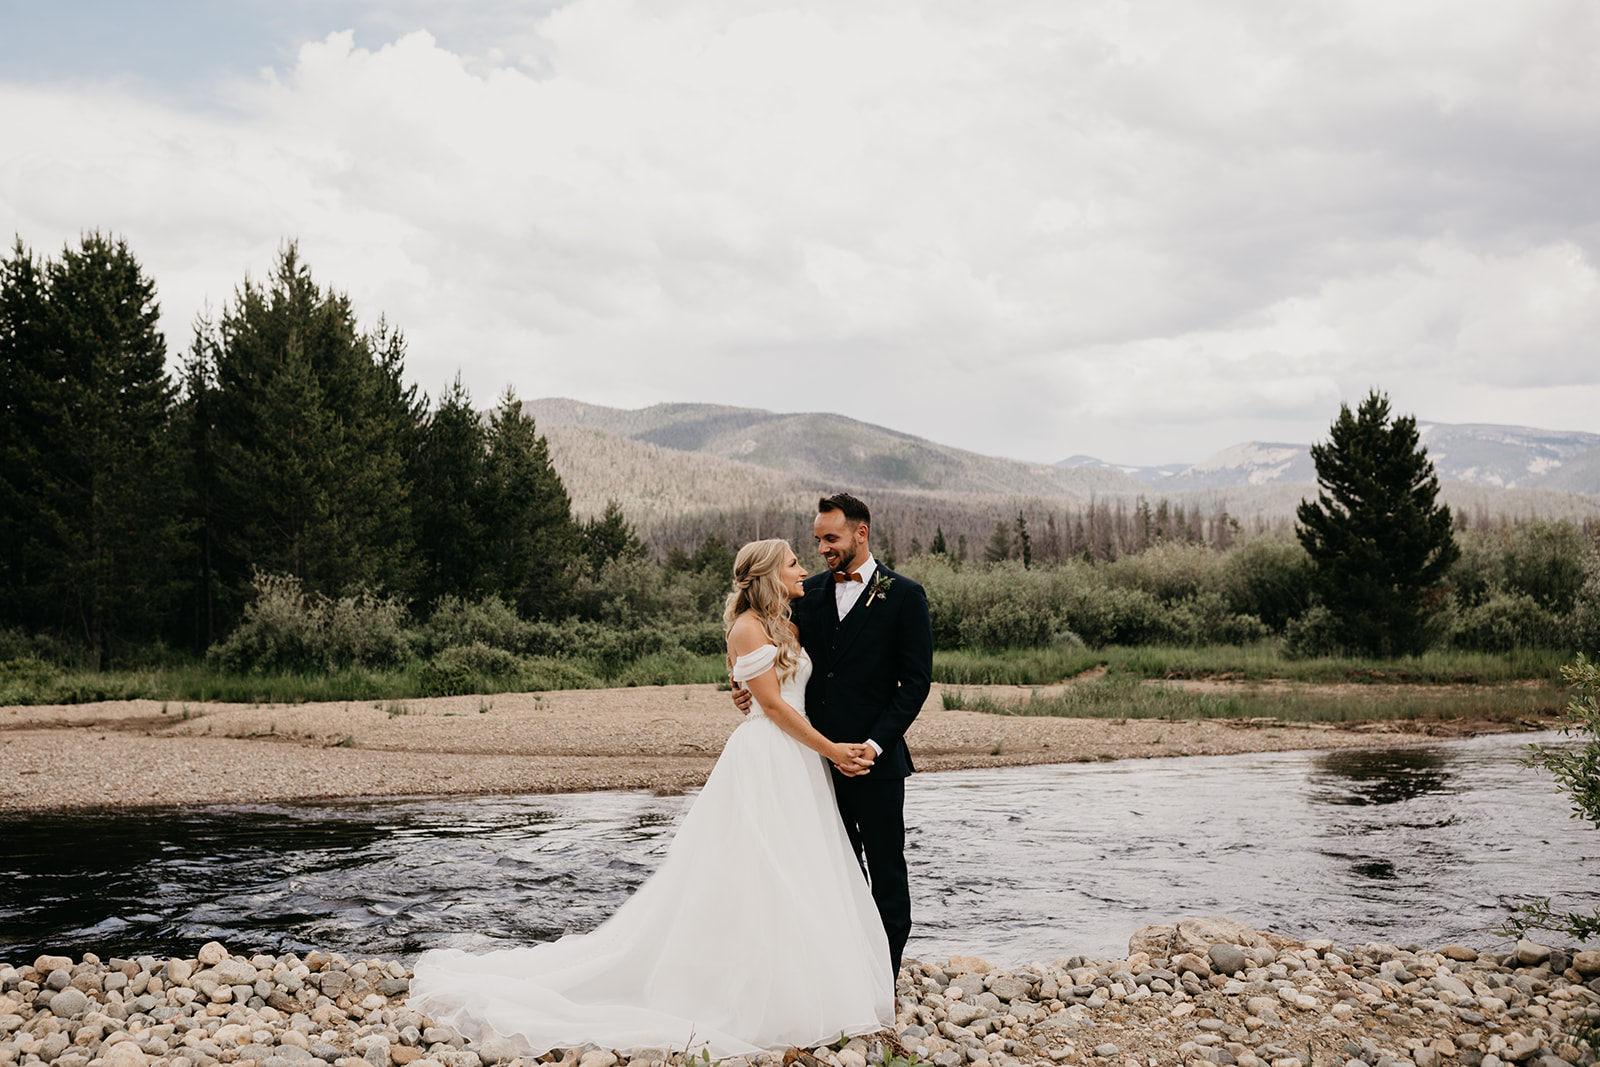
pixel 938 547
pixel 1379 541
pixel 532 541
pixel 449 489
pixel 90 490
pixel 610 536
pixel 1024 541
pixel 310 428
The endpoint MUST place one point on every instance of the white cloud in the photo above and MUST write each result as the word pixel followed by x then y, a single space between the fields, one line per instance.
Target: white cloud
pixel 1023 228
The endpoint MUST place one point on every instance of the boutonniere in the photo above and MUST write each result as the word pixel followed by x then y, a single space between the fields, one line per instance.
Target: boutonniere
pixel 879 589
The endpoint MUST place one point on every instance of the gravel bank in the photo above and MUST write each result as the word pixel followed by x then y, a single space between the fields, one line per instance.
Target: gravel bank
pixel 141 752
pixel 1198 992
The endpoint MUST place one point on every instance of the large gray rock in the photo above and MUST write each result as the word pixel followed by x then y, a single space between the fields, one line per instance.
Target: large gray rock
pixel 234 972
pixel 497 1050
pixel 1531 953
pixel 1009 987
pixel 1450 983
pixel 58 979
pixel 334 983
pixel 69 1003
pixel 963 1013
pixel 1227 959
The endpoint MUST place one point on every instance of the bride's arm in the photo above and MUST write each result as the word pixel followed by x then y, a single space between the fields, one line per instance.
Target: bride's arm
pixel 747 636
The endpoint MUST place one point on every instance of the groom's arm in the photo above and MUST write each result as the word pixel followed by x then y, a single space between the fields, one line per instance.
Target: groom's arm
pixel 913 665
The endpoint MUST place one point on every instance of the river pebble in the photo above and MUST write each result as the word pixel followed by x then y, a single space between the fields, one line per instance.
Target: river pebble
pixel 1196 992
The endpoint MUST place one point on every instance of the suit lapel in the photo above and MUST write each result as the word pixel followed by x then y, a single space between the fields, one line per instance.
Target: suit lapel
pixel 851 625
pixel 823 617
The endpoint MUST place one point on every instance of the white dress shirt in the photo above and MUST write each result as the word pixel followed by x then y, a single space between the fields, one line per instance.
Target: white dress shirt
pixel 845 595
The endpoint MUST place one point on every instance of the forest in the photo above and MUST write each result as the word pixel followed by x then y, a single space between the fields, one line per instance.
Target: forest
pixel 285 517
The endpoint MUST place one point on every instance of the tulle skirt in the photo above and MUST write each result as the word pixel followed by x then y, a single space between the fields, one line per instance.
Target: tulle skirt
pixel 758 931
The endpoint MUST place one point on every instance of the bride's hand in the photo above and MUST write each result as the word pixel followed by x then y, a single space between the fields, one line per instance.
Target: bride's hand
pixel 853 760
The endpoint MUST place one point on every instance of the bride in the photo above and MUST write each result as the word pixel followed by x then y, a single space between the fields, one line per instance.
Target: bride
pixel 757 932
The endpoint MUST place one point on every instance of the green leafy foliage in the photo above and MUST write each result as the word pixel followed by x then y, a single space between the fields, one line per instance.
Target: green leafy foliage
pixel 286 629
pixel 1379 542
pixel 1576 771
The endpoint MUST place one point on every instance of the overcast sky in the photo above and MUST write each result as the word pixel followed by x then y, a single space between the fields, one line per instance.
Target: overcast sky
pixel 1138 231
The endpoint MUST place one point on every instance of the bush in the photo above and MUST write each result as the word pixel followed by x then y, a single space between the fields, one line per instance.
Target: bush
pixel 283 629
pixel 1506 621
pixel 1268 577
pixel 458 623
pixel 478 668
pixel 1116 616
pixel 1315 632
pixel 18 644
pixel 1170 571
pixel 1586 607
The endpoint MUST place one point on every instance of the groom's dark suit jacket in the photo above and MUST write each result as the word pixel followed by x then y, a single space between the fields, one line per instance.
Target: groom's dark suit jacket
pixel 869 670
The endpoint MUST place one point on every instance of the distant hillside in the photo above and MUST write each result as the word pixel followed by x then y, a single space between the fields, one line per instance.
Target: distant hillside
pixel 677 497
pixel 829 450
pixel 1508 457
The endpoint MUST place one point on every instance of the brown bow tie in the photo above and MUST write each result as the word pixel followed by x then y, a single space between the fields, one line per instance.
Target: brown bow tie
pixel 853 576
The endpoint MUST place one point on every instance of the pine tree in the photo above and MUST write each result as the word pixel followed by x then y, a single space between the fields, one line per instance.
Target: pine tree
pixel 448 489
pixel 938 547
pixel 310 427
pixel 609 537
pixel 1024 542
pixel 532 542
pixel 1379 541
pixel 90 490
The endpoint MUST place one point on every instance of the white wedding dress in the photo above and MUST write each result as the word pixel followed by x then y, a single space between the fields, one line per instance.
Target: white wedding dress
pixel 758 930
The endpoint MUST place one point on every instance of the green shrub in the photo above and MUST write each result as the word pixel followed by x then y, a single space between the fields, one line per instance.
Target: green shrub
pixel 458 623
pixel 1505 621
pixel 284 629
pixel 1170 571
pixel 479 658
pixel 1268 577
pixel 1314 633
pixel 18 644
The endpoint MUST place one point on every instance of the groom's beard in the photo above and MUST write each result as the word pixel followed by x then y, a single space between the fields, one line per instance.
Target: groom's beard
pixel 850 563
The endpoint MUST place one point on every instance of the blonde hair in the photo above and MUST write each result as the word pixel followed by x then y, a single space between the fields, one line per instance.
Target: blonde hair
pixel 757 588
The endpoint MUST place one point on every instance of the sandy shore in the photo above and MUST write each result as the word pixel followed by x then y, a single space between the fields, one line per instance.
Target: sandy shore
pixel 141 752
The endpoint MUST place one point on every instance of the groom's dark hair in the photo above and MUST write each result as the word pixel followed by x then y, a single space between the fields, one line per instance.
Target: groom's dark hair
pixel 855 512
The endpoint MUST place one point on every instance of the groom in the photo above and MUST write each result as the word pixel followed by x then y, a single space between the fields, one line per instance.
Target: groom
pixel 867 632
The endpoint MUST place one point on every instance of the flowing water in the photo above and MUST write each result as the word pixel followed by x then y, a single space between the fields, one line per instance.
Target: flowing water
pixel 1427 843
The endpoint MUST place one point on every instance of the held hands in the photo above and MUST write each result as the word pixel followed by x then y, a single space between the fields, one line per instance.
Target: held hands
pixel 853 760
pixel 850 760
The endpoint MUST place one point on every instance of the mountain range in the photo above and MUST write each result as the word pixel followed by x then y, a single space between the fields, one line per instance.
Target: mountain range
pixel 1504 457
pixel 669 460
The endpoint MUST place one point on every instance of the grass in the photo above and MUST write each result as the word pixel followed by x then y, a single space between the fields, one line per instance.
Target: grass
pixel 1124 696
pixel 1115 694
pixel 34 682
pixel 1259 662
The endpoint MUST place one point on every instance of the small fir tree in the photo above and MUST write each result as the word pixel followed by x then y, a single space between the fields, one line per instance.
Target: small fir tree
pixel 1379 541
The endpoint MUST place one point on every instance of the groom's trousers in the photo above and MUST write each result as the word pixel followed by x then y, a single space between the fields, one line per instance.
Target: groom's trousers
pixel 874 817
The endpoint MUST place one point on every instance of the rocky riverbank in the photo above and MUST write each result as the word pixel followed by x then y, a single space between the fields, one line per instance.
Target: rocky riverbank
pixel 1198 992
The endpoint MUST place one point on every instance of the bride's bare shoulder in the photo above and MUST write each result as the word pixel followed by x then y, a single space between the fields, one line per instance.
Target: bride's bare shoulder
pixel 746 634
